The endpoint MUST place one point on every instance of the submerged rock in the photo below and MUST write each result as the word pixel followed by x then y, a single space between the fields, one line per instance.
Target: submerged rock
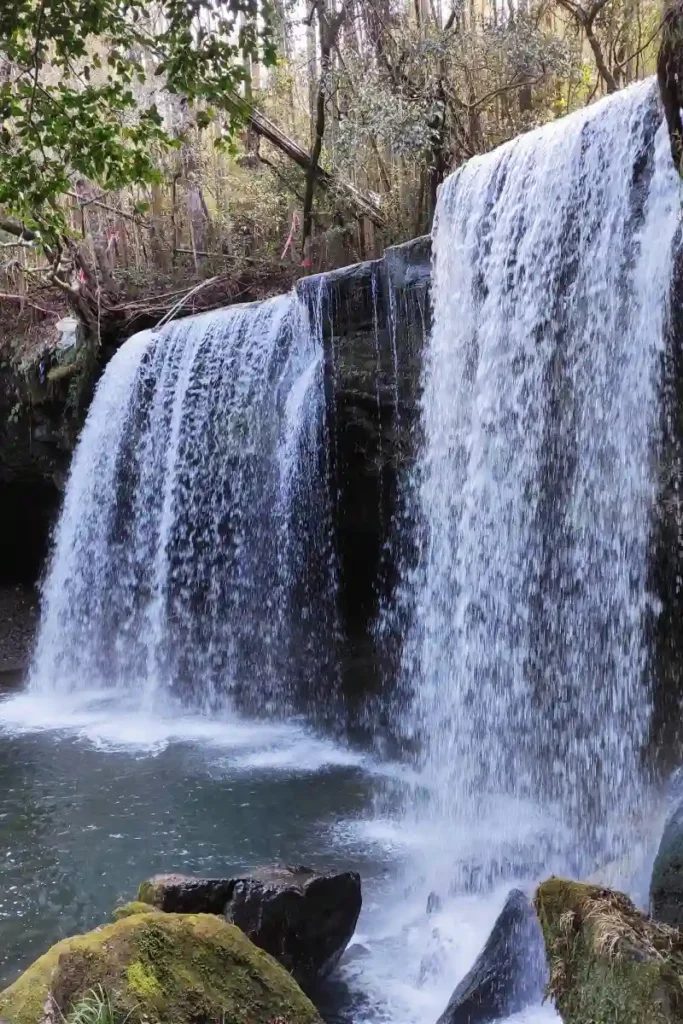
pixel 509 973
pixel 303 918
pixel 609 964
pixel 182 894
pixel 160 969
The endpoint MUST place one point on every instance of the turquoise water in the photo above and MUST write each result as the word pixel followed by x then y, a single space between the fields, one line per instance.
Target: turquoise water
pixel 90 809
pixel 97 795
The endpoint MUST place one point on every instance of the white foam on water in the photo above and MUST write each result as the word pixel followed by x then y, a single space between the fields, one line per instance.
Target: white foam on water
pixel 411 962
pixel 108 722
pixel 303 754
pixel 426 920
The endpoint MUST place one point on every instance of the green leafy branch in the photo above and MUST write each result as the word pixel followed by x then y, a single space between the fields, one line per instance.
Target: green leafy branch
pixel 71 73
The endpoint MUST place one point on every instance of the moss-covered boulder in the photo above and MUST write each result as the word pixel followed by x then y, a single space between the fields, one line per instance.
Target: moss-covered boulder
pixel 609 964
pixel 130 909
pixel 161 969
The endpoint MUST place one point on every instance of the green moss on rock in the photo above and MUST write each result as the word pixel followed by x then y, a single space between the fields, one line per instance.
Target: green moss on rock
pixel 130 909
pixel 609 964
pixel 150 892
pixel 162 969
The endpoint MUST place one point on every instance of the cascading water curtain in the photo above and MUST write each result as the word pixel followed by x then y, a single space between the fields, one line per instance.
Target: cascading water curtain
pixel 526 649
pixel 192 552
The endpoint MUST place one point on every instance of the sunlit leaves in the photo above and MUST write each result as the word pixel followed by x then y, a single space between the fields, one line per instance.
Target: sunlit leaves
pixel 70 96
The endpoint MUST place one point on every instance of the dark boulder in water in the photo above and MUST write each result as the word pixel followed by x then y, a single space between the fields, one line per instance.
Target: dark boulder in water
pixel 182 894
pixel 304 918
pixel 508 975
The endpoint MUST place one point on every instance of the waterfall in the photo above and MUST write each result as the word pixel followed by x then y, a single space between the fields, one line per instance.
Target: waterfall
pixel 193 562
pixel 193 545
pixel 526 659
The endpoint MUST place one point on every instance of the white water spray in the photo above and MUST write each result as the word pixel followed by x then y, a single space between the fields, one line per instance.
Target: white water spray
pixel 525 665
pixel 526 653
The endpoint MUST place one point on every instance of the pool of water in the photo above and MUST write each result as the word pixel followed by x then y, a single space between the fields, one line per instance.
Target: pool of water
pixel 97 795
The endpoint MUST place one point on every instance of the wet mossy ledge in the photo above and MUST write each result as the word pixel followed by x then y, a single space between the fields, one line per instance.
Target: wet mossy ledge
pixel 609 964
pixel 159 968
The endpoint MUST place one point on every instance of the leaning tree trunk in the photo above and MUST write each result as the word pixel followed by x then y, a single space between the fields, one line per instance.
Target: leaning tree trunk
pixel 329 30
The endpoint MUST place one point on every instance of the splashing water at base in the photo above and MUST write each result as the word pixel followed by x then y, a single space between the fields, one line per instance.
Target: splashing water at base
pixel 103 795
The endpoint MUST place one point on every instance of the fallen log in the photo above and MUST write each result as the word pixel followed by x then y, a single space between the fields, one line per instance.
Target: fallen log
pixel 365 205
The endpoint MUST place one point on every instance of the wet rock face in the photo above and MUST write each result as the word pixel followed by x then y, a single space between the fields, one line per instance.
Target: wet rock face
pixel 36 440
pixel 18 619
pixel 508 975
pixel 182 894
pixel 28 512
pixel 303 918
pixel 374 318
pixel 666 888
pixel 666 563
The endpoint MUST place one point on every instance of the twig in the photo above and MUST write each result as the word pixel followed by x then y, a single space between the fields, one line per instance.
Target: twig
pixel 645 45
pixel 84 201
pixel 23 243
pixel 179 305
pixel 201 252
pixel 11 227
pixel 136 218
pixel 36 61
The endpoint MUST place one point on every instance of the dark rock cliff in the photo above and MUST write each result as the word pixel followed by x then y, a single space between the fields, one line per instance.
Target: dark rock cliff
pixel 374 317
pixel 666 569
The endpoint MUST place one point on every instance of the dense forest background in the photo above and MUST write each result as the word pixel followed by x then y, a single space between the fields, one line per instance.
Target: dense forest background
pixel 148 148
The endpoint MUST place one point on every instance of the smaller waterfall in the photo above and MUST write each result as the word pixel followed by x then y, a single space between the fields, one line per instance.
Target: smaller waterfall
pixel 193 555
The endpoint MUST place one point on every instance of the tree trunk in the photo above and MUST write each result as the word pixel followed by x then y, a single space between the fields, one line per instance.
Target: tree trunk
pixel 600 62
pixel 267 129
pixel 311 66
pixel 329 30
